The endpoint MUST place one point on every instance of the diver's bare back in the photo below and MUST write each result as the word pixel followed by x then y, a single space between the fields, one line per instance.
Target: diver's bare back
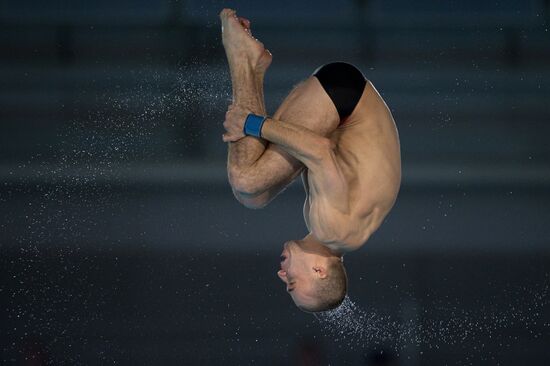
pixel 367 151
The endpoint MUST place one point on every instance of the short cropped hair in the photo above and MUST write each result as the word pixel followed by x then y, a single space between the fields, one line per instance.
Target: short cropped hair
pixel 331 290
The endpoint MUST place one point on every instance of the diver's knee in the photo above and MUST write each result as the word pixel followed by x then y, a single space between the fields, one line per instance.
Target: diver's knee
pixel 242 183
pixel 254 203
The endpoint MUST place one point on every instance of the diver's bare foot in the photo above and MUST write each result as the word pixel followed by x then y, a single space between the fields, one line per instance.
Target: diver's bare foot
pixel 240 46
pixel 265 58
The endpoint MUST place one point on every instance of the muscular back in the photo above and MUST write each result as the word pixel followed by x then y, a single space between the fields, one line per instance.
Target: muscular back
pixel 367 152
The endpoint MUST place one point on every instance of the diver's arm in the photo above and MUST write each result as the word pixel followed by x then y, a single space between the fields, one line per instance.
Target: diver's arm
pixel 305 145
pixel 258 184
pixel 292 145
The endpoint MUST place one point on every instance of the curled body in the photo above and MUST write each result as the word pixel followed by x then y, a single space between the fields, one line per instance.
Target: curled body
pixel 362 174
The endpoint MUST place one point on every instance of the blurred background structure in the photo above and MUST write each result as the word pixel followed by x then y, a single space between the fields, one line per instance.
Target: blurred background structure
pixel 120 240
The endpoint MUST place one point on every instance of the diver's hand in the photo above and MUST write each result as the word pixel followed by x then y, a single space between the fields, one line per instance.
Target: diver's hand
pixel 234 123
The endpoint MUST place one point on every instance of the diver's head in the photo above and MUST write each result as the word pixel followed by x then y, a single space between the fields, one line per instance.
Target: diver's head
pixel 315 276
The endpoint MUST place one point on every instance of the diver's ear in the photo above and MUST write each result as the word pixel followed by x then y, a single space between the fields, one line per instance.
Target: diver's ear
pixel 282 275
pixel 320 271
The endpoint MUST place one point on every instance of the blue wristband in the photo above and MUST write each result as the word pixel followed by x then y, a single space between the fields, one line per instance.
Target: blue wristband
pixel 253 125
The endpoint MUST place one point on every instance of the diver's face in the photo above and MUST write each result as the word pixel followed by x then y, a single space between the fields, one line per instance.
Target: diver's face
pixel 298 271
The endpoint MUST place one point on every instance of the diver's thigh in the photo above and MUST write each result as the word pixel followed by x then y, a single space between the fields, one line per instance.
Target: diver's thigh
pixel 308 105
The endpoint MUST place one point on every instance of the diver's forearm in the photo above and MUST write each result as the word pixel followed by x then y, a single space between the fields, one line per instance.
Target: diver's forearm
pixel 300 142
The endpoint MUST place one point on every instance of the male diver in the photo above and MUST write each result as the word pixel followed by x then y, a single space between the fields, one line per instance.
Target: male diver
pixel 336 131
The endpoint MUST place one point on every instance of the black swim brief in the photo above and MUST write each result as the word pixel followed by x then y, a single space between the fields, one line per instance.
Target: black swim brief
pixel 344 83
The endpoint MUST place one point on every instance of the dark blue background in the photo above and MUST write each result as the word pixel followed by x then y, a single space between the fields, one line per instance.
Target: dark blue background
pixel 120 240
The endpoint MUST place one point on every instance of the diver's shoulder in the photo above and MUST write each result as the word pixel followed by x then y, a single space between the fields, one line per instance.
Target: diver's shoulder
pixel 365 223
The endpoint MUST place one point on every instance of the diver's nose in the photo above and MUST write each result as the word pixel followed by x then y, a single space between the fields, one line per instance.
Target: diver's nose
pixel 282 275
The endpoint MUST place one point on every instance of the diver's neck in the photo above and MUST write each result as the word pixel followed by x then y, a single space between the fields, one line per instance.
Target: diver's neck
pixel 336 250
pixel 323 248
